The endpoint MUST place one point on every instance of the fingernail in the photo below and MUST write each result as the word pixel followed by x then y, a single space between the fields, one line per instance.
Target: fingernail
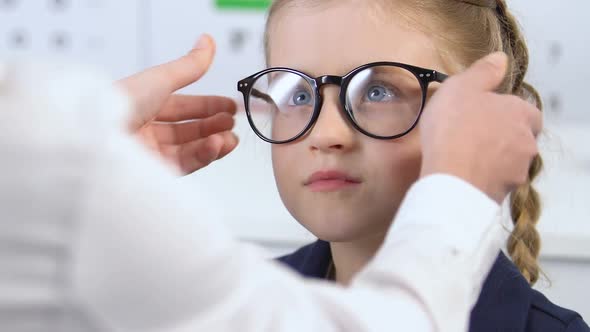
pixel 202 43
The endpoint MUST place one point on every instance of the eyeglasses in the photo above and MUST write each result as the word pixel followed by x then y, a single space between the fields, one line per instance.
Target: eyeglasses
pixel 383 100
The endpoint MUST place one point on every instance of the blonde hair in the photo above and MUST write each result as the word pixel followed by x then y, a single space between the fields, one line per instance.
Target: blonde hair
pixel 473 29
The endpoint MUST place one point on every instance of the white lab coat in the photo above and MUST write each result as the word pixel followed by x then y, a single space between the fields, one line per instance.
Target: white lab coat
pixel 96 235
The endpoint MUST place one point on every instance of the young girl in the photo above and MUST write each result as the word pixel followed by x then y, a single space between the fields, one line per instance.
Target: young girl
pixel 346 146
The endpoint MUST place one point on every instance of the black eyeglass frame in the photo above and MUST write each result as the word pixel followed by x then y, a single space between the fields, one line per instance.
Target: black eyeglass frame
pixel 425 77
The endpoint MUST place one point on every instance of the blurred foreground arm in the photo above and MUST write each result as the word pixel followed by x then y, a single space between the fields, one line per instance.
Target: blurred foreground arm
pixel 95 235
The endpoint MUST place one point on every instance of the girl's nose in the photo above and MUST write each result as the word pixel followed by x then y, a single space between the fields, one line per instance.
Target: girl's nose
pixel 332 132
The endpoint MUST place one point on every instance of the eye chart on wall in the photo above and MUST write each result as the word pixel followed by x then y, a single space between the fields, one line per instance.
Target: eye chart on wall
pixel 126 36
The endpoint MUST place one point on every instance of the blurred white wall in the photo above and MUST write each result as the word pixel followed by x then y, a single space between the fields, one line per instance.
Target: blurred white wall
pixel 125 36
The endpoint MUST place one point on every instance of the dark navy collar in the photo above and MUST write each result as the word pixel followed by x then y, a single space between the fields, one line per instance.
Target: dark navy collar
pixel 506 303
pixel 312 261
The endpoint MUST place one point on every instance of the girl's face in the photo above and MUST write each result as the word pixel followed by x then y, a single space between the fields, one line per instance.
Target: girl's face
pixel 333 40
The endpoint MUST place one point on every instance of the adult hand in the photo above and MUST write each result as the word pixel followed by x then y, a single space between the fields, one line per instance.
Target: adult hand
pixel 486 138
pixel 189 131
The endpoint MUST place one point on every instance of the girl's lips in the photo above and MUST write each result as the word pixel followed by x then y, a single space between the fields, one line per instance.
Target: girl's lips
pixel 331 180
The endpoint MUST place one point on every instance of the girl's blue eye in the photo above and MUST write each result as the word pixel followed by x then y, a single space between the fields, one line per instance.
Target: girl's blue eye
pixel 301 98
pixel 378 93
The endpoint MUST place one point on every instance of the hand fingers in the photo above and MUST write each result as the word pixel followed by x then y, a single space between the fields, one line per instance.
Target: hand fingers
pixel 484 75
pixel 195 155
pixel 185 107
pixel 536 120
pixel 231 141
pixel 184 132
pixel 525 112
pixel 164 79
pixel 191 67
pixel 532 118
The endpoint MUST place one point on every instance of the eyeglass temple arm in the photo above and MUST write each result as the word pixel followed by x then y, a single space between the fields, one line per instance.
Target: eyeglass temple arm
pixel 440 77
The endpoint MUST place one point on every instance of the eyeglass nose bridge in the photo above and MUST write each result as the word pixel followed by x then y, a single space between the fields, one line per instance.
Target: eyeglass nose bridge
pixel 328 79
pixel 319 83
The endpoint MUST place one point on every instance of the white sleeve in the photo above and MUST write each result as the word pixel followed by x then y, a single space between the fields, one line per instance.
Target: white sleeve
pixel 443 242
pixel 96 236
pixel 148 259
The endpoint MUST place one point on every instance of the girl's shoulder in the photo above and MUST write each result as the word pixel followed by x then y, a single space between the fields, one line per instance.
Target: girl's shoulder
pixel 508 303
pixel 547 316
